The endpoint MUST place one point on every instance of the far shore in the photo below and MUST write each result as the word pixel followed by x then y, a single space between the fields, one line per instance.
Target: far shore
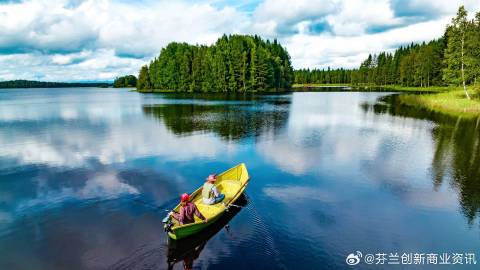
pixel 443 99
pixel 374 88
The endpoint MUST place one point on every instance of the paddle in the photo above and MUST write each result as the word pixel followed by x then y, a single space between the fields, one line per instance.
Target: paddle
pixel 228 206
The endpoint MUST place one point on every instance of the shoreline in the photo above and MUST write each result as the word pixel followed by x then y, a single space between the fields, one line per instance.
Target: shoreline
pixel 376 88
pixel 446 100
pixel 442 99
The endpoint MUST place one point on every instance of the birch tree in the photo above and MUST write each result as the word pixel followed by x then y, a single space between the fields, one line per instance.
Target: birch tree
pixel 455 53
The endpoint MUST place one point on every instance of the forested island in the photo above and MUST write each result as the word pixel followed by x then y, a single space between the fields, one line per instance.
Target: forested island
pixel 234 63
pixel 125 81
pixel 39 84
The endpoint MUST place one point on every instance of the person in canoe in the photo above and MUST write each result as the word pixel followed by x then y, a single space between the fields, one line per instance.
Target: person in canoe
pixel 187 211
pixel 210 193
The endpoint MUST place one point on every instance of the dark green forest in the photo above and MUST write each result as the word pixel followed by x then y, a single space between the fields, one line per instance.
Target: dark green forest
pixel 234 63
pixel 412 65
pixel 322 76
pixel 38 84
pixel 435 63
pixel 125 81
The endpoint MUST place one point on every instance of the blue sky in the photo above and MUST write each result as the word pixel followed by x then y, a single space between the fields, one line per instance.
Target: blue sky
pixel 76 40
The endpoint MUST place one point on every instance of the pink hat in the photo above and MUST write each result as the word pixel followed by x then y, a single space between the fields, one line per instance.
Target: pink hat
pixel 212 177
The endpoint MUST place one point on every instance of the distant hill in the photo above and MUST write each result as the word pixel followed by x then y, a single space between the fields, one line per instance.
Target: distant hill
pixel 38 84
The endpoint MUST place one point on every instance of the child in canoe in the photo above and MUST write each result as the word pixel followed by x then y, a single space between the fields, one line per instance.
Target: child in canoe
pixel 210 193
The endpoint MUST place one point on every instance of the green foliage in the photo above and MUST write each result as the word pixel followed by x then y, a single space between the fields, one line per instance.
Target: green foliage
pixel 125 81
pixel 473 48
pixel 412 65
pixel 143 81
pixel 455 53
pixel 235 63
pixel 322 76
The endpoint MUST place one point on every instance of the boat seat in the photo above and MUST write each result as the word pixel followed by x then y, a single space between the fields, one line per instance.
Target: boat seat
pixel 229 188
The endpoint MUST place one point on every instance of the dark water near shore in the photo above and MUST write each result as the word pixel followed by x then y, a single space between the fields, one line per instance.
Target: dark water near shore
pixel 82 172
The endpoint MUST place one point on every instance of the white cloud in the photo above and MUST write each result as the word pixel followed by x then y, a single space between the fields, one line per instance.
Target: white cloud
pixel 66 59
pixel 273 17
pixel 348 51
pixel 101 64
pixel 354 17
pixel 99 40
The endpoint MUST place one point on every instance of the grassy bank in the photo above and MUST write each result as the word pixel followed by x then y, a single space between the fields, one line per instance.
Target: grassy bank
pixel 453 103
pixel 430 89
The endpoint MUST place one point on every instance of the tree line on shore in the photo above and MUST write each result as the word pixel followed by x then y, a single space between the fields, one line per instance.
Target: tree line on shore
pixel 411 65
pixel 322 76
pixel 453 59
pixel 234 63
pixel 39 84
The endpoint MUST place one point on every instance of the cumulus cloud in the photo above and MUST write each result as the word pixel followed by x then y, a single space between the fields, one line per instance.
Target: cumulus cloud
pixel 273 18
pixel 348 51
pixel 100 64
pixel 79 40
pixel 99 40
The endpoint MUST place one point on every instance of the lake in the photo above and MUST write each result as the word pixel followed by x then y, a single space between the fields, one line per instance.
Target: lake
pixel 86 173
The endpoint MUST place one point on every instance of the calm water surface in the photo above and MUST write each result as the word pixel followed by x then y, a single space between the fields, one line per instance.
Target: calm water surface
pixel 85 175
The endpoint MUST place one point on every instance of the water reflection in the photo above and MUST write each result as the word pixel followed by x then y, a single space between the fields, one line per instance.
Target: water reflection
pixel 51 191
pixel 87 173
pixel 456 155
pixel 231 121
pixel 59 143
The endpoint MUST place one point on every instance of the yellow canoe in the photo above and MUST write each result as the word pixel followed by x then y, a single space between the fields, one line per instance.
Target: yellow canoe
pixel 232 183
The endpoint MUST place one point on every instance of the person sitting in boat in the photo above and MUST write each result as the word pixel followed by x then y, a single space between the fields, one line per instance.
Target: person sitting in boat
pixel 187 211
pixel 210 192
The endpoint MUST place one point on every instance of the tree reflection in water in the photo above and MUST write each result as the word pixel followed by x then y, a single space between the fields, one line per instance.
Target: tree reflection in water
pixel 456 150
pixel 231 121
